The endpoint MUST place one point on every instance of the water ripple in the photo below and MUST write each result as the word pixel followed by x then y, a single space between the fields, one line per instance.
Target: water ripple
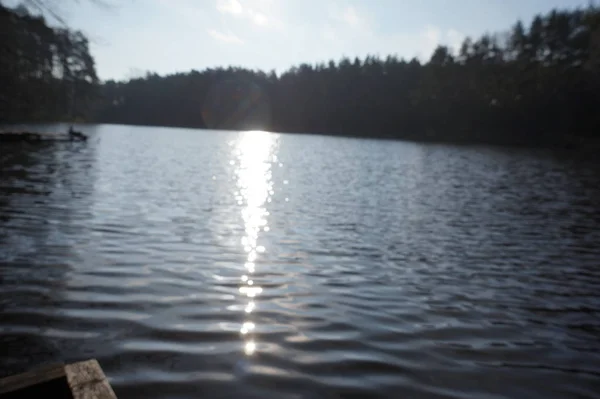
pixel 256 265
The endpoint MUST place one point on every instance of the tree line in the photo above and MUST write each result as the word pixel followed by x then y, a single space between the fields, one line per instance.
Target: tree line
pixel 536 83
pixel 47 73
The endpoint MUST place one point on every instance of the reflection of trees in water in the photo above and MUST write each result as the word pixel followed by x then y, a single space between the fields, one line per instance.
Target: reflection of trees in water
pixel 44 189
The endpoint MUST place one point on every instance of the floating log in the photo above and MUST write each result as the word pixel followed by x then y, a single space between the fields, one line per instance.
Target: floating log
pixel 83 380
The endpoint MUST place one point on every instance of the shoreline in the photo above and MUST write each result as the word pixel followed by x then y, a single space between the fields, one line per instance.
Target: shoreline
pixel 579 143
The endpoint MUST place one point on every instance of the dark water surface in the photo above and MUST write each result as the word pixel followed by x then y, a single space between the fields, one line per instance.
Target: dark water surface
pixel 216 264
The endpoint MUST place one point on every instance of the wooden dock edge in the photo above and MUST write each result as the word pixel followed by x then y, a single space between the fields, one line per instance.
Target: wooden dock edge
pixel 86 380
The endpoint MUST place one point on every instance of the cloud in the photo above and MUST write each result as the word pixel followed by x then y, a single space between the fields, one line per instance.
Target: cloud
pixel 454 39
pixel 225 37
pixel 347 17
pixel 258 18
pixel 329 33
pixel 433 37
pixel 351 16
pixel 254 11
pixel 430 39
pixel 230 7
pixel 339 37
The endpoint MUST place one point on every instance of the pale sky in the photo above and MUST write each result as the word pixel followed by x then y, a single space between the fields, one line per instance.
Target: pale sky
pixel 166 36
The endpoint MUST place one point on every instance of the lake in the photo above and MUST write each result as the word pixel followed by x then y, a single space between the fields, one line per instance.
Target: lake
pixel 212 264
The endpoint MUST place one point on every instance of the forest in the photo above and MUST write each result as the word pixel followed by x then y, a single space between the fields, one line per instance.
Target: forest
pixel 46 73
pixel 536 83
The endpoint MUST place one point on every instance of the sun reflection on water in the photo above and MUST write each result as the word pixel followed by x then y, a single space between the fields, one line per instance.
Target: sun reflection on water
pixel 254 152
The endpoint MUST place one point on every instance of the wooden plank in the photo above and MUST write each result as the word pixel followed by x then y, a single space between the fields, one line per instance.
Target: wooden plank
pixel 23 380
pixel 96 390
pixel 87 381
pixel 84 372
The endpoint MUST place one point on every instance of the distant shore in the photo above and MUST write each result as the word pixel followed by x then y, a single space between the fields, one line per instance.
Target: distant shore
pixel 577 143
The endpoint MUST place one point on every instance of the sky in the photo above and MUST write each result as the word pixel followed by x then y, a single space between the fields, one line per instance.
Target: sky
pixel 130 37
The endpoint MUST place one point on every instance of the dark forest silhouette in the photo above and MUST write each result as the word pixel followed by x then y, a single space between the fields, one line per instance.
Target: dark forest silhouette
pixel 536 84
pixel 46 73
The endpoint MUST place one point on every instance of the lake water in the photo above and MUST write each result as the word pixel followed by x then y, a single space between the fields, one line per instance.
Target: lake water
pixel 248 264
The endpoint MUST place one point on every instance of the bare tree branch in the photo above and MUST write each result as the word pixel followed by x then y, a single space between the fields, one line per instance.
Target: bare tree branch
pixel 51 9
